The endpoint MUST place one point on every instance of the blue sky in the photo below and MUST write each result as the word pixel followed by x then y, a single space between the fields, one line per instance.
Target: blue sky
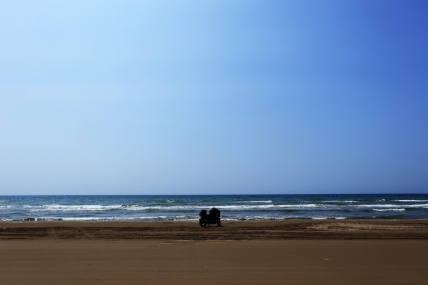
pixel 205 97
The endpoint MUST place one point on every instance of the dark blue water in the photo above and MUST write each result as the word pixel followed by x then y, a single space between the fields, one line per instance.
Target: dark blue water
pixel 233 207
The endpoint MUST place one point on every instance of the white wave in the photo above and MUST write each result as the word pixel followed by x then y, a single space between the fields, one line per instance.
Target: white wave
pixel 6 220
pixel 392 210
pixel 411 201
pixel 298 206
pixel 100 208
pixel 163 208
pixel 415 206
pixel 263 201
pixel 339 201
pixel 328 218
pixel 377 206
pixel 270 207
pixel 179 208
pixel 73 208
pixel 393 206
pixel 133 218
pixel 196 207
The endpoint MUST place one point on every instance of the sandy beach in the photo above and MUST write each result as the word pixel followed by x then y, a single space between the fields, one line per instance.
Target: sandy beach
pixel 268 252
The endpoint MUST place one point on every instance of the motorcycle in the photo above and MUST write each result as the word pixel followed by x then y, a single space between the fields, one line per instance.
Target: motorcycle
pixel 208 219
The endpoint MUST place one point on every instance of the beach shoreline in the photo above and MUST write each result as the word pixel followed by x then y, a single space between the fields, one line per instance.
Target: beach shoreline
pixel 244 252
pixel 230 230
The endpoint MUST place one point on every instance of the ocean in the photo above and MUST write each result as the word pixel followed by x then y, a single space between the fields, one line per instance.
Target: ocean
pixel 232 207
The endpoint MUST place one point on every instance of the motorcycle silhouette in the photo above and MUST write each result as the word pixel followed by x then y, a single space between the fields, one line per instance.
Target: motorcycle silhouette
pixel 208 219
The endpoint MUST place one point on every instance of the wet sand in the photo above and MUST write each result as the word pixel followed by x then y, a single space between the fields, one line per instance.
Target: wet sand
pixel 268 252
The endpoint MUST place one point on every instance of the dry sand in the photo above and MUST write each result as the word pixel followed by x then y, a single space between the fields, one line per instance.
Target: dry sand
pixel 273 252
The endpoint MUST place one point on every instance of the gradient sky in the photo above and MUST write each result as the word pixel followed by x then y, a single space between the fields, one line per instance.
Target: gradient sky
pixel 213 97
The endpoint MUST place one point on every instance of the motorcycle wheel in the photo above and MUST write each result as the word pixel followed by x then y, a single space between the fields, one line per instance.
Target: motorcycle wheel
pixel 202 223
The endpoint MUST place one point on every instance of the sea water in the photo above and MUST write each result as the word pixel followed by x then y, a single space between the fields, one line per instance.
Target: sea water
pixel 232 207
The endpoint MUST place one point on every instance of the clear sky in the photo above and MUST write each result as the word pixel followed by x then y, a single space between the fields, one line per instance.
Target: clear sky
pixel 213 97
